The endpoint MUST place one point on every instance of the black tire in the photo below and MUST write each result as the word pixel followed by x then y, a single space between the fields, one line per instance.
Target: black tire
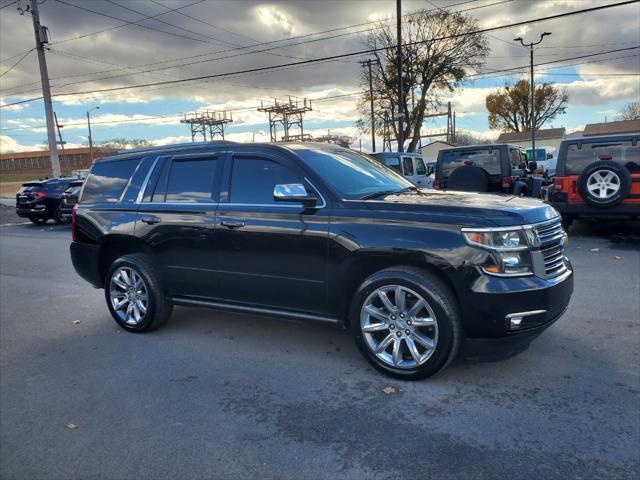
pixel 159 308
pixel 61 220
pixel 611 201
pixel 468 178
pixel 440 299
pixel 38 220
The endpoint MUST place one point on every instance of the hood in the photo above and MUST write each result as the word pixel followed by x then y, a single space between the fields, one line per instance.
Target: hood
pixel 471 208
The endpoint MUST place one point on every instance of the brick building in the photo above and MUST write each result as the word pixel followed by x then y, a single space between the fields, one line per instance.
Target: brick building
pixel 39 163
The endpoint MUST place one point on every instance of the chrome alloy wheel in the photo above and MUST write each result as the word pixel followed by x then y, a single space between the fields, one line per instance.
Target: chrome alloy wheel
pixel 128 294
pixel 603 184
pixel 399 326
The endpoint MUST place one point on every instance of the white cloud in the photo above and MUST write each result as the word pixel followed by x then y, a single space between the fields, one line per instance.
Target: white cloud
pixel 272 17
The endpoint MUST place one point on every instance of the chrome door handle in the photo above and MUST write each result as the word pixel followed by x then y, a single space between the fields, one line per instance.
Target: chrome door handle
pixel 232 223
pixel 150 220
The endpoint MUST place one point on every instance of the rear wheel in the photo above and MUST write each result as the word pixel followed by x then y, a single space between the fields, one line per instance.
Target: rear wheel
pixel 567 221
pixel 133 294
pixel 406 323
pixel 38 220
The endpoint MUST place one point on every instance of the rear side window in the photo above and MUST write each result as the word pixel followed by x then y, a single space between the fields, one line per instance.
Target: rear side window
pixel 407 165
pixel 516 159
pixel 108 180
pixel 420 168
pixel 252 180
pixel 191 180
pixel 489 161
pixel 393 162
pixel 623 153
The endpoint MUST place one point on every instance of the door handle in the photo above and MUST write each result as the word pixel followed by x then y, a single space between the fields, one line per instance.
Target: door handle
pixel 232 223
pixel 150 220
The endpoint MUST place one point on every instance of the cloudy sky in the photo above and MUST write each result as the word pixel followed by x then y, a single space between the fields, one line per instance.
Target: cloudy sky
pixel 104 44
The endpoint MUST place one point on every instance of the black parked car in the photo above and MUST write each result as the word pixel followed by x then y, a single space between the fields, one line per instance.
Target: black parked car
pixel 69 199
pixel 318 232
pixel 40 200
pixel 498 168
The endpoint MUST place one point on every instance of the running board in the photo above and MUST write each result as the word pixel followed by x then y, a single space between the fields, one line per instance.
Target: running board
pixel 273 312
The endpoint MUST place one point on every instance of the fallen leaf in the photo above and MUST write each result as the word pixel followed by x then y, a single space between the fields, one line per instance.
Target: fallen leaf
pixel 595 249
pixel 616 257
pixel 76 322
pixel 71 426
pixel 432 412
pixel 389 390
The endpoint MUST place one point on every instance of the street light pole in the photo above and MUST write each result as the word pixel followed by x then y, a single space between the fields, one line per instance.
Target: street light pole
pixel 90 137
pixel 533 90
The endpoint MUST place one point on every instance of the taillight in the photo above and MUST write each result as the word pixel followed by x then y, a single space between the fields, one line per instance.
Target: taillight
pixel 507 182
pixel 73 222
pixel 38 195
pixel 436 184
pixel 557 184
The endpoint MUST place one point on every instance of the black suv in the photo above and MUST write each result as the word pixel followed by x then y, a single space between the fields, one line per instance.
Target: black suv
pixel 498 168
pixel 69 199
pixel 40 200
pixel 318 232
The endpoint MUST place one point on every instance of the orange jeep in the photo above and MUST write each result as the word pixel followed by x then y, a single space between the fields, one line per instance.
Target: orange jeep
pixel 597 177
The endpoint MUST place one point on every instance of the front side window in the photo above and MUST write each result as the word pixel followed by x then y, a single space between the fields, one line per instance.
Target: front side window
pixel 624 153
pixel 253 180
pixel 420 168
pixel 107 180
pixel 516 159
pixel 407 165
pixel 352 175
pixel 191 180
pixel 487 159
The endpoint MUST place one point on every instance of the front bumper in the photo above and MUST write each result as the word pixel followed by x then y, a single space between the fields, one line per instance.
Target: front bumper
pixel 487 305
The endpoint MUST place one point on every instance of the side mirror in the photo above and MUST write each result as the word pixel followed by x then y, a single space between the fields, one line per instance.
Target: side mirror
pixel 533 165
pixel 294 192
pixel 549 156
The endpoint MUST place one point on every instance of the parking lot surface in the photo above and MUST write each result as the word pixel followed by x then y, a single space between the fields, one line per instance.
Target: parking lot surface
pixel 218 395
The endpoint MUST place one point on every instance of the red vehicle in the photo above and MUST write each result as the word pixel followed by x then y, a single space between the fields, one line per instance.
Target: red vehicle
pixel 598 177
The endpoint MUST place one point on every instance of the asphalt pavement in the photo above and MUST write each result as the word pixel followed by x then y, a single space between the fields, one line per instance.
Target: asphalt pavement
pixel 218 395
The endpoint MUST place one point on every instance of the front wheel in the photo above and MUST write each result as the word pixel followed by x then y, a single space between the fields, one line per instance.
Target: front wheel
pixel 134 296
pixel 406 322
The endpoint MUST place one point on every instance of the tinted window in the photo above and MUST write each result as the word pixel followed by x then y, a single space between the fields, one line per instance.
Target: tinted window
pixel 483 158
pixel 623 153
pixel 393 162
pixel 420 168
pixel 407 165
pixel 516 159
pixel 352 175
pixel 190 180
pixel 108 180
pixel 253 180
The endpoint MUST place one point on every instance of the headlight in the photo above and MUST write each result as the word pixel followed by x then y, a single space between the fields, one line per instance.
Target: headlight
pixel 510 249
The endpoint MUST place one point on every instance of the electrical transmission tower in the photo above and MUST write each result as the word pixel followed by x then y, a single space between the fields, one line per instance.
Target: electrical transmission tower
pixel 287 112
pixel 202 122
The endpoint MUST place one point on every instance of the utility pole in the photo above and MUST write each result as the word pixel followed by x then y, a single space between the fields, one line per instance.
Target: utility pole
pixel 60 141
pixel 533 90
pixel 90 136
pixel 42 37
pixel 373 124
pixel 399 69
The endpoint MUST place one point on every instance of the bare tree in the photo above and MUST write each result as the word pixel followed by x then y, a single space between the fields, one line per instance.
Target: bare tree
pixel 631 111
pixel 465 137
pixel 509 107
pixel 438 52
pixel 124 143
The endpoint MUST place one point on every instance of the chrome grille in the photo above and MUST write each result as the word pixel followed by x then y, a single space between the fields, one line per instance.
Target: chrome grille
pixel 551 237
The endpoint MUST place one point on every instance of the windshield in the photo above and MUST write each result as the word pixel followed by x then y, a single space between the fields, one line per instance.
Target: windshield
pixel 352 175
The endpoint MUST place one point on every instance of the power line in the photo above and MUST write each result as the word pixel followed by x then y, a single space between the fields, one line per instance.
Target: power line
pixel 346 55
pixel 16 64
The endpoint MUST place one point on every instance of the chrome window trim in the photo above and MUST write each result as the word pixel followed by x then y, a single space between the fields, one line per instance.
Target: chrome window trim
pixel 140 162
pixel 143 187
